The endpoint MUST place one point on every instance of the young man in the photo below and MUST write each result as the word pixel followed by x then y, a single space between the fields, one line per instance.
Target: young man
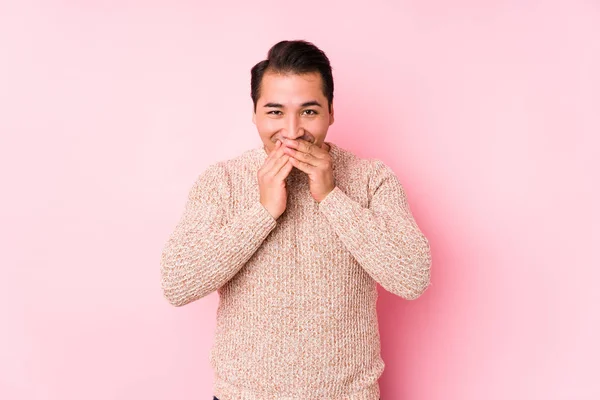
pixel 294 235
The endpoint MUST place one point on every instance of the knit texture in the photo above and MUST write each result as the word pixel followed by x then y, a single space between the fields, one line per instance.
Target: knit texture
pixel 297 295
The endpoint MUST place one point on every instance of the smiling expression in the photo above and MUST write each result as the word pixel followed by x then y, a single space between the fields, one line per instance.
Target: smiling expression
pixel 292 106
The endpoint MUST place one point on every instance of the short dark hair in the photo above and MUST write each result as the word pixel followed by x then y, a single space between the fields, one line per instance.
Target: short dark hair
pixel 297 57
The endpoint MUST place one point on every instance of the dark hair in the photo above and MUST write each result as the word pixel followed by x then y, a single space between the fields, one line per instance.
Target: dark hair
pixel 297 57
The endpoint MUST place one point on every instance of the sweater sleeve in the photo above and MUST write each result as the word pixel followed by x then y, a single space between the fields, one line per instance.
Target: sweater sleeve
pixel 383 237
pixel 206 250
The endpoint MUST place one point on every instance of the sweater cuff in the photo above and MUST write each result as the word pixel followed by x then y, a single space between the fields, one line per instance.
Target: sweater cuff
pixel 338 207
pixel 262 220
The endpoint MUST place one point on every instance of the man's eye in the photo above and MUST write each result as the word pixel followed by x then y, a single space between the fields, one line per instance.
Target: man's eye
pixel 274 111
pixel 311 112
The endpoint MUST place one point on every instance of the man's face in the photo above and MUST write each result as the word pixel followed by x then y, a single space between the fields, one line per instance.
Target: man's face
pixel 292 106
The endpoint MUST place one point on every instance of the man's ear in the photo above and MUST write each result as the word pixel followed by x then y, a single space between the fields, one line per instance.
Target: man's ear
pixel 331 118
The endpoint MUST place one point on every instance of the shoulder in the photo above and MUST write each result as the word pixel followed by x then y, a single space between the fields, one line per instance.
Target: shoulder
pixel 209 181
pixel 380 170
pixel 219 175
pixel 349 163
pixel 370 168
pixel 245 162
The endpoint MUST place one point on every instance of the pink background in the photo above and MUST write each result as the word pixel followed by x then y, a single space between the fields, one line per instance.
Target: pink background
pixel 487 110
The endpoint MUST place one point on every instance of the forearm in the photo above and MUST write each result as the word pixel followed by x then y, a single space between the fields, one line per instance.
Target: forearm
pixel 393 251
pixel 195 262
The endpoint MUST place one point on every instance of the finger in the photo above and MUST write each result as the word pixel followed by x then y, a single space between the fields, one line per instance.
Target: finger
pixel 304 146
pixel 277 146
pixel 277 164
pixel 274 155
pixel 305 157
pixel 285 169
pixel 302 166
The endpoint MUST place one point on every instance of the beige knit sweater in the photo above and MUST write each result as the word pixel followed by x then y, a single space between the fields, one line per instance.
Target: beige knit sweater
pixel 296 318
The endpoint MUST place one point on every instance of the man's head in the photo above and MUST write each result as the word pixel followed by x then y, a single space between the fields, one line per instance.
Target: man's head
pixel 292 92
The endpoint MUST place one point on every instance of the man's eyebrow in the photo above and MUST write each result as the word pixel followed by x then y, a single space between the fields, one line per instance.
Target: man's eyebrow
pixel 311 103
pixel 306 104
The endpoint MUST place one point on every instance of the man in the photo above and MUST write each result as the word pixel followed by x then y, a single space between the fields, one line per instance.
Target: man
pixel 294 235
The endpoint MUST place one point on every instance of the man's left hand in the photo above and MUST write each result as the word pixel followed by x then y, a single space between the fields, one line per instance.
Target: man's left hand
pixel 316 162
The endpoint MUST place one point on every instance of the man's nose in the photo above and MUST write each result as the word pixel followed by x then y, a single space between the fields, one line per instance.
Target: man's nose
pixel 293 128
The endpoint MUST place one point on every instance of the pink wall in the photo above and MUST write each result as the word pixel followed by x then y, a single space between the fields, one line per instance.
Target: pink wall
pixel 488 111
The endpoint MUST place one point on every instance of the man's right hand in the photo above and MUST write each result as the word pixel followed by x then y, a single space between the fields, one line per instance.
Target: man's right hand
pixel 271 180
